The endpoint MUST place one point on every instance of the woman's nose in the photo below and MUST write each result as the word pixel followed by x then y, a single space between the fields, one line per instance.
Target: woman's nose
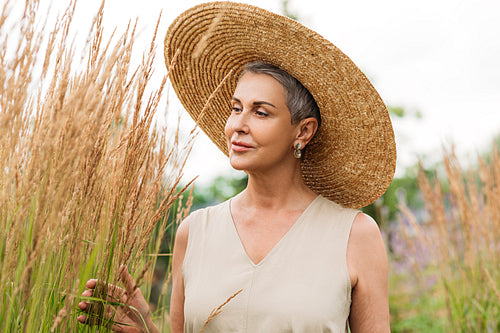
pixel 239 122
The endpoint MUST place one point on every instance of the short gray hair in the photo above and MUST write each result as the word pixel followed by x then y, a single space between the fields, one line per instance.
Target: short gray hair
pixel 299 100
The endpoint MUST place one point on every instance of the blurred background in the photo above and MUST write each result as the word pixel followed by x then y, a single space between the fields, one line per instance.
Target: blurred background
pixel 434 62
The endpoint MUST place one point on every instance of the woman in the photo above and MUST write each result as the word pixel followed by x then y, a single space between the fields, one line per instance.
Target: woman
pixel 289 252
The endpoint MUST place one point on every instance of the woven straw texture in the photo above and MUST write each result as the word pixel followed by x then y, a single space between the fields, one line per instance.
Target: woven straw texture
pixel 352 158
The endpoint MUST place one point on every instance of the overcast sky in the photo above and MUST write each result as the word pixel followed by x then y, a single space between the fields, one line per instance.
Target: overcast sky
pixel 440 57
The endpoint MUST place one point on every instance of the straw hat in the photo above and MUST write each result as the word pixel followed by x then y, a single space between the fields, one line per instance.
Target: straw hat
pixel 352 158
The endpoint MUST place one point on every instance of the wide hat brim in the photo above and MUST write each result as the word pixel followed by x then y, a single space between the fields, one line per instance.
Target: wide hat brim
pixel 352 158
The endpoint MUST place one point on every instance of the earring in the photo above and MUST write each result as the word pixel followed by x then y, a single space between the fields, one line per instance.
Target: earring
pixel 297 152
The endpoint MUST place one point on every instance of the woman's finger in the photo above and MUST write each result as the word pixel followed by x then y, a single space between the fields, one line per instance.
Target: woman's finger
pixel 91 283
pixel 88 293
pixel 115 294
pixel 127 279
pixel 89 320
pixel 83 306
pixel 107 292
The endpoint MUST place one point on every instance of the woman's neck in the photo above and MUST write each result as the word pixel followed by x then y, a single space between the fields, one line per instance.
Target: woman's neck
pixel 280 189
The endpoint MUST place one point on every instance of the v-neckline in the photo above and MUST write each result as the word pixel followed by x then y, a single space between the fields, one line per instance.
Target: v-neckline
pixel 277 245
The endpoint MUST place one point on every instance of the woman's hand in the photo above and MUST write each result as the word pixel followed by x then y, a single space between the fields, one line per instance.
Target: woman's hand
pixel 123 310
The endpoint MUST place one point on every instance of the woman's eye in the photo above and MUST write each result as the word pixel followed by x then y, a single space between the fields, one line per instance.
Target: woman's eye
pixel 235 109
pixel 261 113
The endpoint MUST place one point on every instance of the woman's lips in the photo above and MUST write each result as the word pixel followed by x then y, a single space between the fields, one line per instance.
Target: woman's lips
pixel 239 146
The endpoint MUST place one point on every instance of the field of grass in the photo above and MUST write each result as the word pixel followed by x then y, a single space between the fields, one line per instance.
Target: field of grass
pixel 86 178
pixel 446 276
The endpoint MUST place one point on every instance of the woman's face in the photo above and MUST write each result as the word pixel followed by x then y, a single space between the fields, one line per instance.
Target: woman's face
pixel 259 132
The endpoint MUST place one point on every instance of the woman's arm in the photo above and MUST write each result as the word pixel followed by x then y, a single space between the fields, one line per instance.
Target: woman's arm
pixel 368 268
pixel 177 298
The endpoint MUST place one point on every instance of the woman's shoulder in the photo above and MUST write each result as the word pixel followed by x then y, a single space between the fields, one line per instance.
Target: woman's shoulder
pixel 204 215
pixel 332 208
pixel 366 249
pixel 199 219
pixel 364 229
pixel 203 212
pixel 365 233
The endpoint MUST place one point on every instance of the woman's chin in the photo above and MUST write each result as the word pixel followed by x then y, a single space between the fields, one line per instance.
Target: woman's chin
pixel 239 164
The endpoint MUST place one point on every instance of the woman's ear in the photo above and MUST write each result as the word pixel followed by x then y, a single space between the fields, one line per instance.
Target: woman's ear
pixel 306 129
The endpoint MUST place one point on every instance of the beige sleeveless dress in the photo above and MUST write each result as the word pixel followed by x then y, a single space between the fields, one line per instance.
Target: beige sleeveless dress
pixel 302 285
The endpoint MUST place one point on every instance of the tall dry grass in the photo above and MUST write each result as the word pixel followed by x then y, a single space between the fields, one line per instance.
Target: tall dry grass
pixel 83 167
pixel 457 245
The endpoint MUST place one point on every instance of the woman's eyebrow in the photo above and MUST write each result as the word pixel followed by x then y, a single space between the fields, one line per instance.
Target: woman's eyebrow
pixel 237 100
pixel 263 102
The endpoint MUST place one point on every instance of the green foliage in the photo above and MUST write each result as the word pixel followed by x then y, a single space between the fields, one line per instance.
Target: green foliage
pixel 400 112
pixel 221 189
pixel 287 12
pixel 396 111
pixel 474 308
pixel 401 189
pixel 414 309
